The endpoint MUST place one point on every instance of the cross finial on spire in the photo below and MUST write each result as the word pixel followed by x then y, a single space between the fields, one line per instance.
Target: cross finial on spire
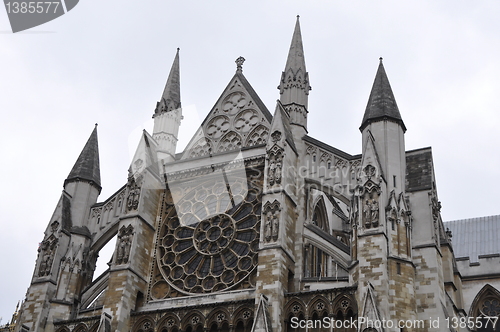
pixel 239 64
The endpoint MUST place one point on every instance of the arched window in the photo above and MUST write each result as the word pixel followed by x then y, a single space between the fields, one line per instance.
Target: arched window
pixel 320 216
pixel 294 317
pixel 486 309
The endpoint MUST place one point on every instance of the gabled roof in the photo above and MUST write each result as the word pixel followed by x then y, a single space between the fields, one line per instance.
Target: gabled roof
pixel 330 148
pixel 238 119
pixel 281 122
pixel 381 103
pixel 87 164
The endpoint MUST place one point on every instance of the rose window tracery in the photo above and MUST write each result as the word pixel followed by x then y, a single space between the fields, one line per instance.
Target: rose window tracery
pixel 490 307
pixel 209 242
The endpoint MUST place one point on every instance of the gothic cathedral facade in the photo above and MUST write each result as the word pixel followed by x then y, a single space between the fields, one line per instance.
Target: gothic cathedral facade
pixel 255 226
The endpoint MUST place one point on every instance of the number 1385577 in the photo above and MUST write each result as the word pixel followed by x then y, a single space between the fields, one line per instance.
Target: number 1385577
pixel 32 7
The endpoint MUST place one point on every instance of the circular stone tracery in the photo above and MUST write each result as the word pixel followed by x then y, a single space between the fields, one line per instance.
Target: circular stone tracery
pixel 209 241
pixel 214 234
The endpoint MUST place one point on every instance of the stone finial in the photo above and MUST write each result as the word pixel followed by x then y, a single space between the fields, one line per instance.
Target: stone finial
pixel 381 59
pixel 239 64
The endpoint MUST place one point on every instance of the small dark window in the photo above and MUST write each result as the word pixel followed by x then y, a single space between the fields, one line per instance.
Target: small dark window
pixel 329 164
pixel 314 158
pixel 398 268
pixel 394 180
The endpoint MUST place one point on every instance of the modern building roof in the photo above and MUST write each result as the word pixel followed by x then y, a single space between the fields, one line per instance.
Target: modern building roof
pixel 475 237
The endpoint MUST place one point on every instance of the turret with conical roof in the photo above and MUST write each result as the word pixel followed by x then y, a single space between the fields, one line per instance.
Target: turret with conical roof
pixel 168 114
pixel 383 131
pixel 294 85
pixel 84 181
pixel 86 167
pixel 381 104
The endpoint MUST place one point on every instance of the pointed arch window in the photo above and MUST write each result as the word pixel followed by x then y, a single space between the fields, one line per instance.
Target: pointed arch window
pixel 486 309
pixel 320 216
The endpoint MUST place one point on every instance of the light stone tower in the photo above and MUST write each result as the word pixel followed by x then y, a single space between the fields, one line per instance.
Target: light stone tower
pixel 64 265
pixel 294 85
pixel 381 217
pixel 168 115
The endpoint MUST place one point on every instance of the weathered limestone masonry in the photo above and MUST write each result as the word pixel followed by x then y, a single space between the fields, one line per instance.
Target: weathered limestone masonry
pixel 62 266
pixel 276 253
pixel 128 280
pixel 257 226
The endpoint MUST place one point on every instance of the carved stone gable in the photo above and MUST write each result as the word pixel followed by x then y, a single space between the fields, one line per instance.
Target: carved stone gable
pixel 238 120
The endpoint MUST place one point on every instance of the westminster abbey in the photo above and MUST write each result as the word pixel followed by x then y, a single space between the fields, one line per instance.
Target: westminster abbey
pixel 258 226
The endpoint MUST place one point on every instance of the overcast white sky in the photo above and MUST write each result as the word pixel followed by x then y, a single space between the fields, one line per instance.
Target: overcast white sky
pixel 107 62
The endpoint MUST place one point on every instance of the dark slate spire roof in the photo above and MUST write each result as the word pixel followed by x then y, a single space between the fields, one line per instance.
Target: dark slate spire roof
pixel 171 97
pixel 381 104
pixel 87 164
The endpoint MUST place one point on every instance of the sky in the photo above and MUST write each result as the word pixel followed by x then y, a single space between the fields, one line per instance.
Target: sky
pixel 106 62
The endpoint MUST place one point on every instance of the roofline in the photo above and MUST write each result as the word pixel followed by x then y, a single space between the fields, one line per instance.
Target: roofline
pixel 330 148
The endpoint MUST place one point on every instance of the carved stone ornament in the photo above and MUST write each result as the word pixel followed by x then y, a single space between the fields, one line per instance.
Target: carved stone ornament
pixel 54 226
pixel 271 221
pixel 370 212
pixel 436 207
pixel 449 234
pixel 275 166
pixel 133 195
pixel 124 243
pixel 89 263
pixel 276 136
pixel 47 250
pixel 369 171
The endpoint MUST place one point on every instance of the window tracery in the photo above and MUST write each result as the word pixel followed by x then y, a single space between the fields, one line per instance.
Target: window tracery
pixel 209 243
pixel 485 306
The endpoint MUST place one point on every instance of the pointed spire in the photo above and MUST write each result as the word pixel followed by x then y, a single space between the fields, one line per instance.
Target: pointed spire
pixel 294 85
pixel 87 164
pixel 381 104
pixel 171 97
pixel 296 59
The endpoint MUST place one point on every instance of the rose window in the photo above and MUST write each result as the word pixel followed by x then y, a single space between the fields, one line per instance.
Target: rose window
pixel 491 307
pixel 209 242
